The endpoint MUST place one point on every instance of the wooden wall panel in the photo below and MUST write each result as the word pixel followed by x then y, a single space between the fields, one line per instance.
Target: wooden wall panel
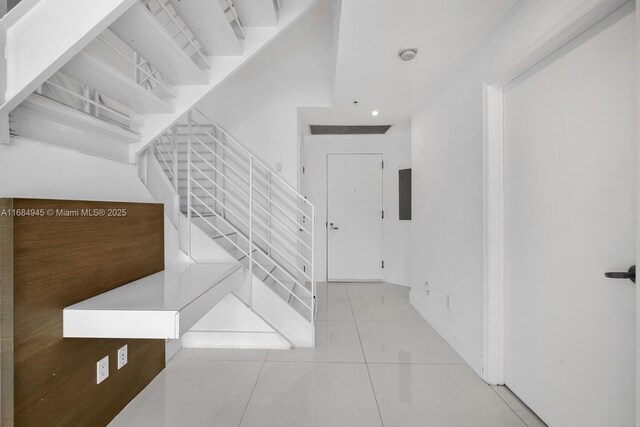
pixel 60 260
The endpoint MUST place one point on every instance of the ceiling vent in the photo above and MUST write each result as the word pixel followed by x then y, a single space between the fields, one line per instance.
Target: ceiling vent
pixel 348 130
pixel 408 54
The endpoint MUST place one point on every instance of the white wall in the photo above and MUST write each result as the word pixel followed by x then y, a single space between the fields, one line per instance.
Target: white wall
pixel 258 104
pixel 396 150
pixel 33 169
pixel 446 151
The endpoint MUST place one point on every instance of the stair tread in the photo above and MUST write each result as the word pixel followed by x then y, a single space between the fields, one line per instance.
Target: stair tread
pixel 97 73
pixel 257 13
pixel 140 30
pixel 42 105
pixel 209 24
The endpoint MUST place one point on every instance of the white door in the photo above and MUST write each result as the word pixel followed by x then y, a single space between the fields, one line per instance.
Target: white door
pixel 570 216
pixel 354 216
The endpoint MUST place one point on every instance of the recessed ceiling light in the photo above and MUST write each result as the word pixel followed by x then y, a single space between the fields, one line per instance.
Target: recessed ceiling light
pixel 374 113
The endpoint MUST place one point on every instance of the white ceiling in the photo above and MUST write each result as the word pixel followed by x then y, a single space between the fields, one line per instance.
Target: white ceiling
pixel 371 32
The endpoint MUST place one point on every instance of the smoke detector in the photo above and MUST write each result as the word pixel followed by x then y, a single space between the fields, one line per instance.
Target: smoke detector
pixel 408 54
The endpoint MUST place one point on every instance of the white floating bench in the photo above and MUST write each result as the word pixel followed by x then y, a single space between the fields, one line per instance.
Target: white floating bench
pixel 163 305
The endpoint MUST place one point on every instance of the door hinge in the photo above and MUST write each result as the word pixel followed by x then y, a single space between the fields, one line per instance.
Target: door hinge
pixel 382 214
pixel 303 169
pixel 326 224
pixel 383 164
pixel 382 264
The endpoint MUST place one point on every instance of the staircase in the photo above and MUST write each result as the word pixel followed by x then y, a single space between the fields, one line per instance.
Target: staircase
pixel 243 206
pixel 127 94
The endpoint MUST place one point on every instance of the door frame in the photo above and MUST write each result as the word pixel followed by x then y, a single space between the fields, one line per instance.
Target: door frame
pixel 569 27
pixel 343 153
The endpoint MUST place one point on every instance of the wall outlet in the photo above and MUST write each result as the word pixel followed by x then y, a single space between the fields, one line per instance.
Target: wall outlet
pixel 123 356
pixel 102 369
pixel 448 302
pixel 427 288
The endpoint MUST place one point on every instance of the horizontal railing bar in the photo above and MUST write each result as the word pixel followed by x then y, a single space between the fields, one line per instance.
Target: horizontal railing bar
pixel 295 221
pixel 236 214
pixel 221 159
pixel 291 202
pixel 218 230
pixel 257 160
pixel 224 147
pixel 295 235
pixel 280 283
pixel 231 196
pixel 97 104
pixel 284 270
pixel 273 248
pixel 283 240
pixel 165 163
pixel 235 227
pixel 132 62
pixel 164 146
pixel 218 171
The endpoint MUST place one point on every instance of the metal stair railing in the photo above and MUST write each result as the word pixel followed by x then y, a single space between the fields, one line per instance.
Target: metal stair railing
pixel 225 186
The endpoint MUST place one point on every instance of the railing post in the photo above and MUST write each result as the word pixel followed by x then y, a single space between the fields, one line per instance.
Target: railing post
pixel 176 153
pixel 189 179
pixel 224 171
pixel 270 201
pixel 251 227
pixel 313 263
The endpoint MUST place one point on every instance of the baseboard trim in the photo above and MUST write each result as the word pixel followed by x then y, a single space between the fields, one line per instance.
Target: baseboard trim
pixel 473 359
pixel 397 279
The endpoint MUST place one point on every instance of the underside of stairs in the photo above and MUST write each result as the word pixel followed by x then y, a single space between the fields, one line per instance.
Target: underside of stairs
pixel 123 82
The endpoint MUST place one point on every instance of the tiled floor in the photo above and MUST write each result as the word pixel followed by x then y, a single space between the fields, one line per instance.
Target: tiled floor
pixel 376 363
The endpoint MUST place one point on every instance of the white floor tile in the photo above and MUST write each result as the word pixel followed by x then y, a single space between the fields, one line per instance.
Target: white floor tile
pixel 359 290
pixel 382 307
pixel 437 395
pixel 334 304
pixel 522 410
pixel 312 395
pixel 336 341
pixel 404 342
pixel 194 393
pixel 419 380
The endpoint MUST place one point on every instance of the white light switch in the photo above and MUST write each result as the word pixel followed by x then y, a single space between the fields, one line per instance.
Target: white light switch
pixel 102 368
pixel 122 356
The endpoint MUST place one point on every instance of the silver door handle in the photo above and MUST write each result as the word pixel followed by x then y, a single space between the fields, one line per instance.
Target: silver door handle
pixel 332 227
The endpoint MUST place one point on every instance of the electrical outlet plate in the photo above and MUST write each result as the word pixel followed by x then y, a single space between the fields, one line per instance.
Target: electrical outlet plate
pixel 102 369
pixel 448 302
pixel 123 356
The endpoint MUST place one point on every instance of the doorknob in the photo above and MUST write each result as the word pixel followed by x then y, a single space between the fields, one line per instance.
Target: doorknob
pixel 631 274
pixel 332 227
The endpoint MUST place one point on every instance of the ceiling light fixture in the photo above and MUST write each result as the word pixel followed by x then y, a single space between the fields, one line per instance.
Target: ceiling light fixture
pixel 408 54
pixel 374 113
